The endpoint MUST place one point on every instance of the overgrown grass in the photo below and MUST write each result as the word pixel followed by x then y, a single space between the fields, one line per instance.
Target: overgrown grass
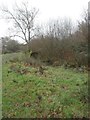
pixel 12 57
pixel 58 93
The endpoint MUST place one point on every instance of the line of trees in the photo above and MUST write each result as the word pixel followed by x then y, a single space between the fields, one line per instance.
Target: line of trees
pixel 57 42
pixel 9 45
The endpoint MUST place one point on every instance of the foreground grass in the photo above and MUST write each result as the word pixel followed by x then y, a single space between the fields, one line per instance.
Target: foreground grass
pixel 57 93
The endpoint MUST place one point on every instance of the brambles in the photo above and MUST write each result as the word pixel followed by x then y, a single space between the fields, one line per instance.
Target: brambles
pixel 41 70
pixel 18 68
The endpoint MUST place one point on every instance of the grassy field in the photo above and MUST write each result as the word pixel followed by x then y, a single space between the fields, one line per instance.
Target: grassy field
pixel 58 93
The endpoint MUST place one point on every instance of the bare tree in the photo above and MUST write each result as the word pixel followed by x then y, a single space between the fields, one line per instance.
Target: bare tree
pixel 60 29
pixel 23 19
pixel 83 26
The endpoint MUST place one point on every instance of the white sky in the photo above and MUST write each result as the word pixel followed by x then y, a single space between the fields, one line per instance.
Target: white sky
pixel 49 9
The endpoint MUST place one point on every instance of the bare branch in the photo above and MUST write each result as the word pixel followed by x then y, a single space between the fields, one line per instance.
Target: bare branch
pixel 17 36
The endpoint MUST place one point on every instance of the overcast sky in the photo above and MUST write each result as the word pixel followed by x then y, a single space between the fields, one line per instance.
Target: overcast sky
pixel 49 9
